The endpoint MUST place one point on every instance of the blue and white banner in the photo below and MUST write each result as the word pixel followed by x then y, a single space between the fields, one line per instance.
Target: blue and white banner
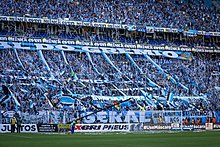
pixel 132 61
pixel 43 59
pixel 19 60
pixel 92 49
pixel 110 62
pixel 93 65
pixel 185 48
pixel 117 117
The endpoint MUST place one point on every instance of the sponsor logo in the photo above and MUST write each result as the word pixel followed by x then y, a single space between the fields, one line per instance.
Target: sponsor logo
pixel 101 127
pixel 63 126
pixel 24 128
pixel 47 128
pixel 157 127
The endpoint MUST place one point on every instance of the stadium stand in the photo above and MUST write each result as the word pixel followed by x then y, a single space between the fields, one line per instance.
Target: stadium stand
pixel 184 14
pixel 33 79
pixel 198 74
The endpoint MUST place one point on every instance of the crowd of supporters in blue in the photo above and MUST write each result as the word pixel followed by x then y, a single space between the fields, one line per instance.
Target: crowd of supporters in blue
pixel 181 14
pixel 37 88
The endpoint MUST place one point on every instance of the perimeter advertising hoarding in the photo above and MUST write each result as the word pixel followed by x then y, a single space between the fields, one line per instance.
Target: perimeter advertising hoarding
pixel 25 128
pixel 184 127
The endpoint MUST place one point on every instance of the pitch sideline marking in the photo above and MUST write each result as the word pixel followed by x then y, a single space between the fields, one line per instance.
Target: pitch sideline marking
pixel 20 136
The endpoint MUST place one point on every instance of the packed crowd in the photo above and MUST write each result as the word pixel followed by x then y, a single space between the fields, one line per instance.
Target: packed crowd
pixel 181 14
pixel 42 78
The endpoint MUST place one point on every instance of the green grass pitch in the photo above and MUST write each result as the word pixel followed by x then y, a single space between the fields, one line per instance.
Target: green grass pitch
pixel 174 139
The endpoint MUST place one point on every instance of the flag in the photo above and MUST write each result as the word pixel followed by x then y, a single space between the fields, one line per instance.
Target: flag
pixel 168 77
pixel 170 97
pixel 217 88
pixel 72 74
pixel 152 84
pixel 131 28
pixel 116 104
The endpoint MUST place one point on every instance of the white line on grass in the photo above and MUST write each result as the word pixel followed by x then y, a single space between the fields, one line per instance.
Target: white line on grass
pixel 20 136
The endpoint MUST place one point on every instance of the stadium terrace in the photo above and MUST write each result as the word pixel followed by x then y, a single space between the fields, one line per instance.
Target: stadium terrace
pixel 107 66
pixel 185 14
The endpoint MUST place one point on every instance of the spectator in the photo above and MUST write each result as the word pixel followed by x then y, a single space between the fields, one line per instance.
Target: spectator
pixel 19 121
